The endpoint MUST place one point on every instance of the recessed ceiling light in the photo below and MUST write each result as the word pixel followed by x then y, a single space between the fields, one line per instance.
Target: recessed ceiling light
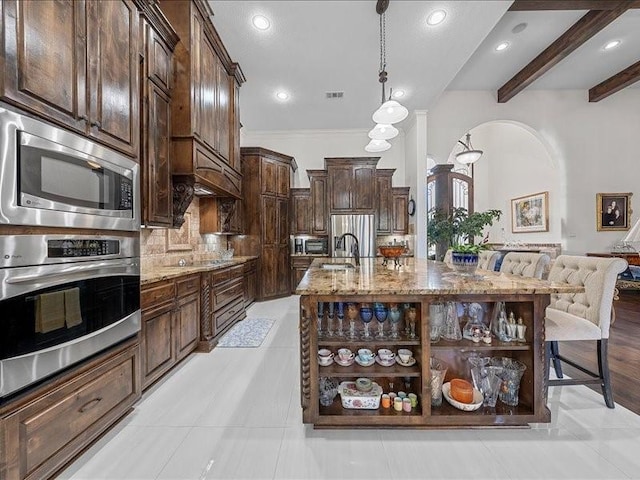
pixel 282 95
pixel 502 46
pixel 436 17
pixel 398 94
pixel 261 22
pixel 612 44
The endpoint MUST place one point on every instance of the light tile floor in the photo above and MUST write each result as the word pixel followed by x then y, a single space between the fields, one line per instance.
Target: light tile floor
pixel 235 414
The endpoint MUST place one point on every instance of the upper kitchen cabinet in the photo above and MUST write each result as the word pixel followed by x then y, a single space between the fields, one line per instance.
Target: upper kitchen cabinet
pixel 319 188
pixel 352 184
pixel 205 122
pixel 384 209
pixel 300 211
pixel 76 64
pixel 400 202
pixel 159 41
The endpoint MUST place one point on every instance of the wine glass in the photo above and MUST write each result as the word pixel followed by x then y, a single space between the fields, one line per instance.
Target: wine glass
pixel 366 314
pixel 380 311
pixel 330 320
pixel 394 318
pixel 405 308
pixel 411 316
pixel 320 316
pixel 352 313
pixel 340 315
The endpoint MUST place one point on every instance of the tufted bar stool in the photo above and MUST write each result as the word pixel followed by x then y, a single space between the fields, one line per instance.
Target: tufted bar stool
pixel 487 259
pixel 525 264
pixel 582 316
pixel 447 256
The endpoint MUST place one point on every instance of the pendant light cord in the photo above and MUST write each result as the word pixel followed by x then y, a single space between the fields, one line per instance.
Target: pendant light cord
pixel 382 73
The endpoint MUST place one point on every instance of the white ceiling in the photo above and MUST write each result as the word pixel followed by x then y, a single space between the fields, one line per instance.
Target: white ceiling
pixel 314 47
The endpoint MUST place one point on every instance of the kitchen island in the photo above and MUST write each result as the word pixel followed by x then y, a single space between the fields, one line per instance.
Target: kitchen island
pixel 328 288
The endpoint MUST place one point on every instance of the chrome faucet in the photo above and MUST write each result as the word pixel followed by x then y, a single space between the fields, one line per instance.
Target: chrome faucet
pixel 355 248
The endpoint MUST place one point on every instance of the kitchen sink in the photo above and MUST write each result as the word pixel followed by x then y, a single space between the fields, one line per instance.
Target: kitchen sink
pixel 337 266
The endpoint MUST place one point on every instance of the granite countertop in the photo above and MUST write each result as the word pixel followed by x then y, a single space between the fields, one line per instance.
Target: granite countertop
pixel 416 277
pixel 156 274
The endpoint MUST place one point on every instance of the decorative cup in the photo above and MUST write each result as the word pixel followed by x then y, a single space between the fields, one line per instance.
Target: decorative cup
pixel 397 404
pixel 385 400
pixel 405 355
pixel 511 374
pixel 413 398
pixel 344 354
pixel 365 355
pixel 325 356
pixel 406 404
pixel 386 355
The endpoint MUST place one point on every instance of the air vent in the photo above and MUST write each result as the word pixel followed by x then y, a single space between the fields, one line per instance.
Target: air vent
pixel 334 94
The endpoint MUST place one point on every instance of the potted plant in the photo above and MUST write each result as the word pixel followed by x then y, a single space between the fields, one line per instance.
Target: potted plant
pixel 457 230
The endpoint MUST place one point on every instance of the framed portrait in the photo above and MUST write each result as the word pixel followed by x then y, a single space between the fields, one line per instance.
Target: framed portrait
pixel 530 213
pixel 180 239
pixel 613 211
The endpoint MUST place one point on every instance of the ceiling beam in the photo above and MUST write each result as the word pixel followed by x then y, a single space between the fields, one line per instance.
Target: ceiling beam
pixel 533 5
pixel 578 33
pixel 615 83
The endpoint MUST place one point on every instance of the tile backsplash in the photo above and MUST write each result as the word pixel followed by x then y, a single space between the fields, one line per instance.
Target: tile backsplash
pixel 164 247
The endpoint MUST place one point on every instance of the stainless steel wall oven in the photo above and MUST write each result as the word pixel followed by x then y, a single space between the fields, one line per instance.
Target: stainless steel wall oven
pixel 63 299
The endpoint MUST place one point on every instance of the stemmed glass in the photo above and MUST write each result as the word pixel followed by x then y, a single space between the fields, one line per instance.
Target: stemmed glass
pixel 320 316
pixel 352 313
pixel 411 316
pixel 406 307
pixel 380 311
pixel 330 320
pixel 394 318
pixel 340 315
pixel 366 314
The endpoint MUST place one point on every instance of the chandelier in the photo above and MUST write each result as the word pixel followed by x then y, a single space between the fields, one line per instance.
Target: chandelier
pixel 390 111
pixel 468 154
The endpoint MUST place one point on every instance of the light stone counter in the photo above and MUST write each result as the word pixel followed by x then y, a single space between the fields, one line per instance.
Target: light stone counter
pixel 156 274
pixel 416 277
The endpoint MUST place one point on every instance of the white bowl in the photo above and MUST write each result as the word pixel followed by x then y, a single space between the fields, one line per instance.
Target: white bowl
pixel 467 407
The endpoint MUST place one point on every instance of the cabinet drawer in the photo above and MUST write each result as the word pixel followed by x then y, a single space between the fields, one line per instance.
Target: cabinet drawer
pixel 227 315
pixel 50 430
pixel 236 272
pixel 220 277
pixel 227 293
pixel 301 262
pixel 249 267
pixel 157 293
pixel 188 285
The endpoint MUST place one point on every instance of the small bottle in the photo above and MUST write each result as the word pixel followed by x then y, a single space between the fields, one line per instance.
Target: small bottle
pixel 521 329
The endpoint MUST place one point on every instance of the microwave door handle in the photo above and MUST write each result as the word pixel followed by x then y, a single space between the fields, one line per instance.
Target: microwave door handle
pixel 78 269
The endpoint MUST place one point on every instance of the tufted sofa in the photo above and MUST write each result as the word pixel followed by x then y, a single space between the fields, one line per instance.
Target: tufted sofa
pixel 582 316
pixel 525 264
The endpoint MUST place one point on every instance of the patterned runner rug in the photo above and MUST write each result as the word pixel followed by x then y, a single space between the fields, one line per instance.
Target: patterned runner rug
pixel 250 332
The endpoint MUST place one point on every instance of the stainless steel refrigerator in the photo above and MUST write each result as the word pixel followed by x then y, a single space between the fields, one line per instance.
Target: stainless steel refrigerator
pixel 362 226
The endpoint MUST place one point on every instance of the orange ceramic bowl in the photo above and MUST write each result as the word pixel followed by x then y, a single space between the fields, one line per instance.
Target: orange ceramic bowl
pixel 461 390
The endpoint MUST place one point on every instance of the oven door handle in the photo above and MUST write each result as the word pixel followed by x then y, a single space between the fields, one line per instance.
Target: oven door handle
pixel 70 270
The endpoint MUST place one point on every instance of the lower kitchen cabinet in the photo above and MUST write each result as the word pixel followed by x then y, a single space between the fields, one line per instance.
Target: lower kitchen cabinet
pixel 299 266
pixel 250 282
pixel 170 324
pixel 222 301
pixel 44 429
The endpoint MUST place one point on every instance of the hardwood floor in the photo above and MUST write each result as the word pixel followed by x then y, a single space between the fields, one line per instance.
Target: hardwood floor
pixel 624 353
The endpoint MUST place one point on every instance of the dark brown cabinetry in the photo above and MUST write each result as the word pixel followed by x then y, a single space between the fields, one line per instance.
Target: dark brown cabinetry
pixel 352 184
pixel 299 266
pixel 266 179
pixel 319 190
pixel 250 282
pixel 301 211
pixel 159 41
pixel 170 328
pixel 400 197
pixel 43 430
pixel 384 207
pixel 222 300
pixel 76 64
pixel 221 215
pixel 205 122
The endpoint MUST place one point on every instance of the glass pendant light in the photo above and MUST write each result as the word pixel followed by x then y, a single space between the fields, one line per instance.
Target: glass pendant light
pixel 377 146
pixel 383 131
pixel 468 154
pixel 390 112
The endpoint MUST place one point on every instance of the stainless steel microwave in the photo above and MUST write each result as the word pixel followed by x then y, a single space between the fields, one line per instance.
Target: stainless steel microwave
pixel 316 246
pixel 52 177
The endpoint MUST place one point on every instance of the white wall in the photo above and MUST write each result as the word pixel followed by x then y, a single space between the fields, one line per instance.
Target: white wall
pixel 592 145
pixel 416 169
pixel 310 147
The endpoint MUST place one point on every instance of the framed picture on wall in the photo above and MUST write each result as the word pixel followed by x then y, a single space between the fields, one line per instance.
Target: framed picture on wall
pixel 530 213
pixel 613 211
